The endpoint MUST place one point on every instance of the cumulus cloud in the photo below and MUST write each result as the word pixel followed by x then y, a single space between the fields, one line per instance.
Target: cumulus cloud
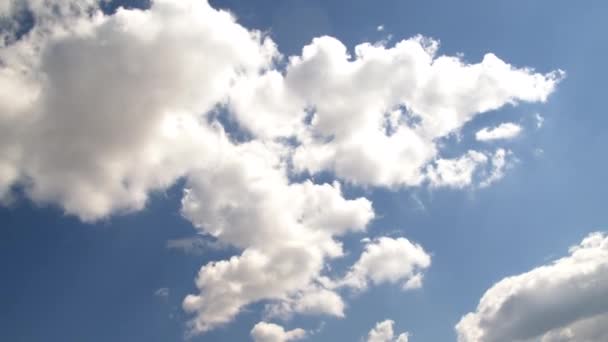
pixel 114 103
pixel 117 105
pixel 457 172
pixel 270 332
pixel 561 301
pixel 383 332
pixel 286 230
pixel 503 131
pixel 389 260
pixel 398 100
pixel 320 299
pixel 98 111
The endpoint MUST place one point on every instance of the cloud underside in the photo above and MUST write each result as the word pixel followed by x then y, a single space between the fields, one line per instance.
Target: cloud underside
pixel 562 301
pixel 98 111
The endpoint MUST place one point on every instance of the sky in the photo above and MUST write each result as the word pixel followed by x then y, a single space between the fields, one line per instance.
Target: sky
pixel 293 170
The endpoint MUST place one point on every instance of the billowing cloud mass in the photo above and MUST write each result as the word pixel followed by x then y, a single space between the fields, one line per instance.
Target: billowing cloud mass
pixel 286 230
pixel 383 332
pixel 114 105
pixel 388 260
pixel 398 100
pixel 270 332
pixel 103 122
pixel 562 301
pixel 97 111
pixel 506 130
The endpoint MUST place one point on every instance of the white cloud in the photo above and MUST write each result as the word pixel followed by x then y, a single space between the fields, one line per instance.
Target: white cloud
pixel 388 260
pixel 398 100
pixel 319 299
pixel 380 28
pixel 456 173
pixel 286 231
pixel 472 168
pixel 503 131
pixel 270 332
pixel 115 103
pixel 104 122
pixel 6 8
pixel 97 111
pixel 383 332
pixel 562 301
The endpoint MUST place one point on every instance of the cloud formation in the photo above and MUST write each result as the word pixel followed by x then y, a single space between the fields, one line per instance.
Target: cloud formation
pixel 270 332
pixel 561 301
pixel 399 101
pixel 503 131
pixel 98 111
pixel 388 260
pixel 96 140
pixel 286 230
pixel 115 105
pixel 383 332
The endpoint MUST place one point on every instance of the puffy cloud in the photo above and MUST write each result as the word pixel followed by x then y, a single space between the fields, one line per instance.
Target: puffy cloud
pixel 458 172
pixel 399 101
pixel 265 106
pixel 97 111
pixel 314 300
pixel 286 230
pixel 115 104
pixel 269 332
pixel 102 120
pixel 374 119
pixel 383 332
pixel 561 301
pixel 471 168
pixel 592 329
pixel 506 130
pixel 388 260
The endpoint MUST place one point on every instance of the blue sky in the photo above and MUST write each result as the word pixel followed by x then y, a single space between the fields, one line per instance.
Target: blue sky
pixel 69 274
